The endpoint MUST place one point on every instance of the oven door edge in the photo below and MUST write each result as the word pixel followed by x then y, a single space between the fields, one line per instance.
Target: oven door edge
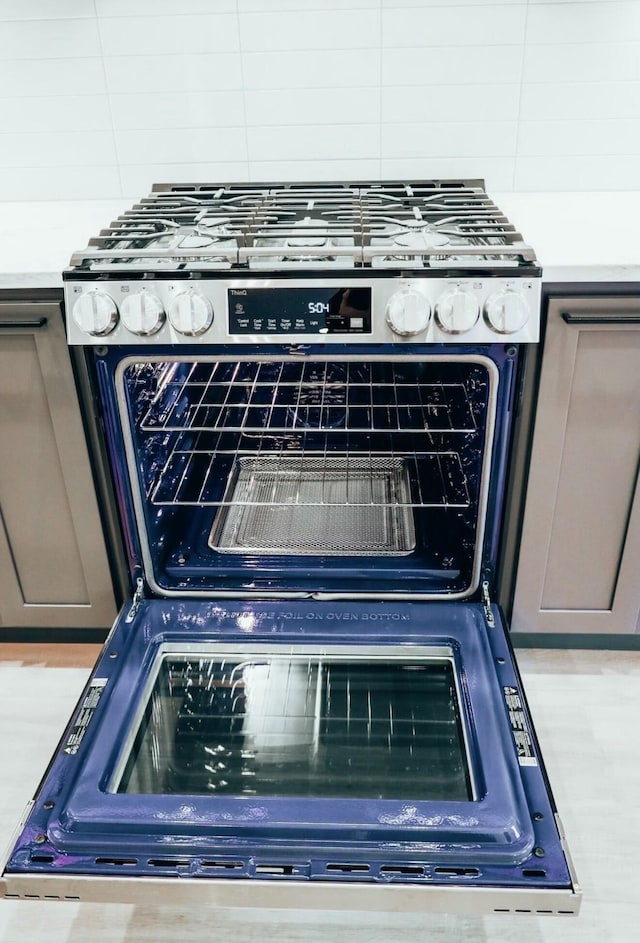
pixel 293 895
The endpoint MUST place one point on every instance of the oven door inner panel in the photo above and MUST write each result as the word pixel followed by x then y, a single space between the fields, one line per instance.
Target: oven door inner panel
pixel 369 741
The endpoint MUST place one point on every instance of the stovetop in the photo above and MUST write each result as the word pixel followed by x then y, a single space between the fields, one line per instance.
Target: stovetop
pixel 309 226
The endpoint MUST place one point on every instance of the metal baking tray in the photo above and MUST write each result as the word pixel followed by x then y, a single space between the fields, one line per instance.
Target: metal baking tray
pixel 316 505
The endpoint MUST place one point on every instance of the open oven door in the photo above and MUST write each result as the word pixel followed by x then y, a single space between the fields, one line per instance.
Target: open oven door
pixel 310 754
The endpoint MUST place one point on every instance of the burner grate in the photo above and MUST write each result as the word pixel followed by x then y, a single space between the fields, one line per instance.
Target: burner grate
pixel 309 226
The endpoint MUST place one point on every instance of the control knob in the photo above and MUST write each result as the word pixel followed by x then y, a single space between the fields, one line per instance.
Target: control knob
pixel 95 312
pixel 408 312
pixel 457 311
pixel 506 311
pixel 142 312
pixel 191 313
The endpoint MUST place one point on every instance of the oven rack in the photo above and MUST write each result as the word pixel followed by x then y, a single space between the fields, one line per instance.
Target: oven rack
pixel 206 478
pixel 278 401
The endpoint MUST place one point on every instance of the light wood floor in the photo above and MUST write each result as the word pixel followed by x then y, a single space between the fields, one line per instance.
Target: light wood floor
pixel 587 711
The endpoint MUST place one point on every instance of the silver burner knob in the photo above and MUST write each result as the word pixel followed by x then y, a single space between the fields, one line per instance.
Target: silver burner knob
pixel 95 312
pixel 506 311
pixel 142 312
pixel 408 312
pixel 191 313
pixel 457 311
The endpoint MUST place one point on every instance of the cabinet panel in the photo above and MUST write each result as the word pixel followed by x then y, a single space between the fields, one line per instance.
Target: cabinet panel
pixel 53 564
pixel 580 550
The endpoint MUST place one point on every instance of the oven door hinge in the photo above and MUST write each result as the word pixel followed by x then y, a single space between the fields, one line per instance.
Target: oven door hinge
pixel 138 596
pixel 486 605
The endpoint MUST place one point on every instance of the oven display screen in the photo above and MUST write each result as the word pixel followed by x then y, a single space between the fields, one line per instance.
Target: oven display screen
pixel 319 310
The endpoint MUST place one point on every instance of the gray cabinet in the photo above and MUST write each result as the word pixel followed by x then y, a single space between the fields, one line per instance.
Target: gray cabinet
pixel 579 562
pixel 54 570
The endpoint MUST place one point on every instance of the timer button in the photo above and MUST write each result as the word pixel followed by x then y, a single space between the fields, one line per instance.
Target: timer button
pixel 408 312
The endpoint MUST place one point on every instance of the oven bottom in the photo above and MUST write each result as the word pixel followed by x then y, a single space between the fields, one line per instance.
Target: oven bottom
pixel 300 754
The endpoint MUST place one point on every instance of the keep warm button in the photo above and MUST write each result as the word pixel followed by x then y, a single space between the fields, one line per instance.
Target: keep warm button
pixel 300 324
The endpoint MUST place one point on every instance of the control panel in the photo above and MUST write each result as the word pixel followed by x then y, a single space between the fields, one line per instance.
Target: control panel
pixel 150 311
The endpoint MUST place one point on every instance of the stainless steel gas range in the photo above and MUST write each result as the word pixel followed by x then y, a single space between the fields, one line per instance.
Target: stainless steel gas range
pixel 307 393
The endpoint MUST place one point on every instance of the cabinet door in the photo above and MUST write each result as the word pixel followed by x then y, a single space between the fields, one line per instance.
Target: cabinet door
pixel 53 563
pixel 579 560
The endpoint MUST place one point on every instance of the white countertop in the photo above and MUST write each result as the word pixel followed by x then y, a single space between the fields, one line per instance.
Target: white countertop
pixel 578 237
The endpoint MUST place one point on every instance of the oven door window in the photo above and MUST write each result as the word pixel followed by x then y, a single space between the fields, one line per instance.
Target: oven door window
pixel 300 725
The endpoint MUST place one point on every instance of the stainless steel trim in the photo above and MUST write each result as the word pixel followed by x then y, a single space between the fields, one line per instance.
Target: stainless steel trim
pixel 297 895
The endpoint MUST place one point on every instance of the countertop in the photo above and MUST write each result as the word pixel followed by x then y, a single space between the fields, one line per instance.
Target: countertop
pixel 578 237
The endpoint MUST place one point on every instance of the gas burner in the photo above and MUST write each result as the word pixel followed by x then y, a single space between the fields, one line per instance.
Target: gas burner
pixel 304 242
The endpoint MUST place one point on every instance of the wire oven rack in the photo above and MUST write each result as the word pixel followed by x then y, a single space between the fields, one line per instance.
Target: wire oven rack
pixel 310 457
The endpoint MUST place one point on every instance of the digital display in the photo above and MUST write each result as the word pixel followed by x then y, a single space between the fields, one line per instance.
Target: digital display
pixel 319 310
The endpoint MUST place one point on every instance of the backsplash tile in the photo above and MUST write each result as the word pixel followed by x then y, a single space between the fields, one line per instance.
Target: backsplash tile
pixel 187 72
pixel 100 98
pixel 481 26
pixel 310 29
pixel 325 68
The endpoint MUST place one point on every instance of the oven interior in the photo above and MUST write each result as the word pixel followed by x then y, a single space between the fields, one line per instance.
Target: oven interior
pixel 309 474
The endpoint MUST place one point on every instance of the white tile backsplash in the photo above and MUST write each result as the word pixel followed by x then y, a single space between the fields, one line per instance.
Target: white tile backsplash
pixel 44 9
pixel 437 103
pixel 51 113
pixel 450 139
pixel 162 7
pixel 168 35
pixel 99 98
pixel 314 142
pixel 584 22
pixel 23 78
pixel 159 110
pixel 181 146
pixel 584 63
pixel 499 64
pixel 310 29
pixel 481 26
pixel 190 72
pixel 49 39
pixel 326 68
pixel 57 149
pixel 303 106
pixel 581 138
pixel 542 102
